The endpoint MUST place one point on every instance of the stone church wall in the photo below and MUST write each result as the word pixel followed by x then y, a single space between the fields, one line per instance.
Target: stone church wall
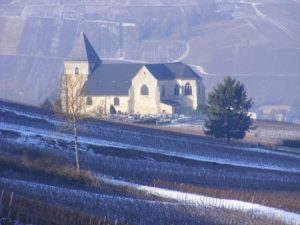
pixel 145 104
pixel 138 103
pixel 83 67
pixel 102 104
pixel 187 102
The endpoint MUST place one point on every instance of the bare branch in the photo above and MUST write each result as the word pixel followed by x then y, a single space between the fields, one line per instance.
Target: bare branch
pixel 72 105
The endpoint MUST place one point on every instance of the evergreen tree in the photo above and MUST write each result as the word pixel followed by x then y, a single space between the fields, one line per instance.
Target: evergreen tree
pixel 47 105
pixel 227 111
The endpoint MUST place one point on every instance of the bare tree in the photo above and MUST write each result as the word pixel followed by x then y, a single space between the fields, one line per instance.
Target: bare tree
pixel 72 105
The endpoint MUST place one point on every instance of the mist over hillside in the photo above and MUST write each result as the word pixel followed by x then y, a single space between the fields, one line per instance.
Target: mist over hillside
pixel 257 41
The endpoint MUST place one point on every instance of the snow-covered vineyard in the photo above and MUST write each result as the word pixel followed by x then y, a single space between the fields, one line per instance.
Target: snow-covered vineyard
pixel 156 164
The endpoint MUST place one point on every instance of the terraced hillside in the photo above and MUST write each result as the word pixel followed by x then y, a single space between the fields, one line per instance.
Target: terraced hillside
pixel 257 41
pixel 144 176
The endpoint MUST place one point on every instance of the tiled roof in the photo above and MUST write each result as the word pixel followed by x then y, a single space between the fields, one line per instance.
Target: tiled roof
pixel 111 79
pixel 182 71
pixel 160 71
pixel 114 79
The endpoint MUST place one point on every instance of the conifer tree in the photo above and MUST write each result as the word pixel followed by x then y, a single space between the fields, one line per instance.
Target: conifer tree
pixel 227 111
pixel 47 105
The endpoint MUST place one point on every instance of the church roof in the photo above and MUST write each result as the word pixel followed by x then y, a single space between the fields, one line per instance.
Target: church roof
pixel 111 79
pixel 83 51
pixel 182 71
pixel 114 79
pixel 160 71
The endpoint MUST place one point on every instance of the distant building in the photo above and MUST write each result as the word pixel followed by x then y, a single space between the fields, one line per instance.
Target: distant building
pixel 253 115
pixel 274 112
pixel 133 88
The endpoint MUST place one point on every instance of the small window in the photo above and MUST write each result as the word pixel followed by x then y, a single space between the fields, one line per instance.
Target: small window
pixel 144 90
pixel 163 91
pixel 116 101
pixel 188 89
pixel 176 90
pixel 76 70
pixel 89 101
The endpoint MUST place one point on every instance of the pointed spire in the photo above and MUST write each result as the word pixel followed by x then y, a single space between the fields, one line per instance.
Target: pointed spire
pixel 83 51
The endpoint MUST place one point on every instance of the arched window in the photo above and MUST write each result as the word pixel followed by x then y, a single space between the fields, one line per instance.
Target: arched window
pixel 188 89
pixel 76 70
pixel 144 90
pixel 89 101
pixel 116 101
pixel 176 90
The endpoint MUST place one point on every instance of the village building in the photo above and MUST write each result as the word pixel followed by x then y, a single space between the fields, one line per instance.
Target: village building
pixel 131 88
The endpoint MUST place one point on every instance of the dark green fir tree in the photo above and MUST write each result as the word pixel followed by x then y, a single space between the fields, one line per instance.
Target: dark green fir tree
pixel 47 104
pixel 227 111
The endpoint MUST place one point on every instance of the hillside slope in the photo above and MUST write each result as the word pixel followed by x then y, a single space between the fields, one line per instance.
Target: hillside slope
pixel 145 176
pixel 257 41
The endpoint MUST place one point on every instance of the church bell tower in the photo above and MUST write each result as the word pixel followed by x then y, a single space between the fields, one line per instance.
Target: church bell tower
pixel 80 63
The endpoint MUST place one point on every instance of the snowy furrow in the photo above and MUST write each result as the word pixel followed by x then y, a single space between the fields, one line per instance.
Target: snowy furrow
pixel 29 134
pixel 36 116
pixel 165 138
pixel 134 211
pixel 113 207
pixel 144 211
pixel 206 201
pixel 95 129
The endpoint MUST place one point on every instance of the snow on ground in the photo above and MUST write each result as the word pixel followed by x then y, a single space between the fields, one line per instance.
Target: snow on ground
pixel 206 201
pixel 126 24
pixel 185 54
pixel 251 24
pixel 29 136
pixel 254 6
pixel 111 206
pixel 200 69
pixel 272 21
pixel 124 205
pixel 123 209
pixel 260 132
pixel 30 115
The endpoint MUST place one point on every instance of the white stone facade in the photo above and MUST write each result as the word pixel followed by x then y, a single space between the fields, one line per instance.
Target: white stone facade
pixel 144 89
pixel 155 102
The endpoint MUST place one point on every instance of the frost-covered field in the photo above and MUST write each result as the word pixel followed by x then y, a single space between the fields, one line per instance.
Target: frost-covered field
pixel 265 132
pixel 136 157
pixel 204 201
pixel 145 212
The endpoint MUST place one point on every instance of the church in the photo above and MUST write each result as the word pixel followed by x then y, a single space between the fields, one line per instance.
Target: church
pixel 130 88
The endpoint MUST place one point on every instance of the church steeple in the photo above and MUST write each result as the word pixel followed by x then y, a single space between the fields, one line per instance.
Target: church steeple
pixel 83 51
pixel 83 59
